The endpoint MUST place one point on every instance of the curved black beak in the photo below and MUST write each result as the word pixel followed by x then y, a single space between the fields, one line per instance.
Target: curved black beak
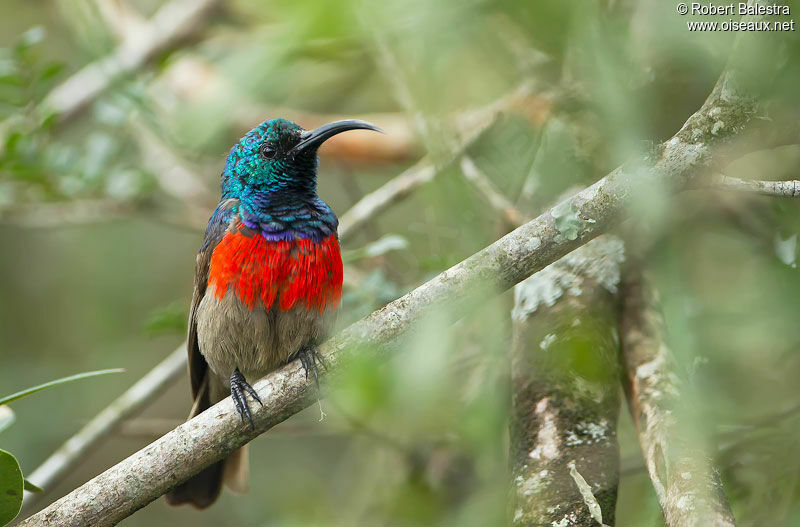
pixel 314 138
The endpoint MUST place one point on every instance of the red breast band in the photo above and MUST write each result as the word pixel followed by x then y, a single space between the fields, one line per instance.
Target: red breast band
pixel 285 273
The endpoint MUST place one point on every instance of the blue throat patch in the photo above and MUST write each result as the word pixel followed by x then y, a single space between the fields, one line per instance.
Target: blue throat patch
pixel 278 195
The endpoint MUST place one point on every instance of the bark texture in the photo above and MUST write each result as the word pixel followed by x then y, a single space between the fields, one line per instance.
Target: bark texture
pixel 778 189
pixel 687 484
pixel 565 381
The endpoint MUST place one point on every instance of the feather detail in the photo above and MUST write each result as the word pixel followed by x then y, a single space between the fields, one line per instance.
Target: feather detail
pixel 280 273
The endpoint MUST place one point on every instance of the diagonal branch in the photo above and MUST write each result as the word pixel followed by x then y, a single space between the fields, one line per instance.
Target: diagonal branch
pixel 152 471
pixel 217 432
pixel 484 186
pixel 172 459
pixel 169 25
pixel 398 188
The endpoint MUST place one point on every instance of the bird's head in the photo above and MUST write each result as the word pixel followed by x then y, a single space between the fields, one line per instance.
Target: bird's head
pixel 278 156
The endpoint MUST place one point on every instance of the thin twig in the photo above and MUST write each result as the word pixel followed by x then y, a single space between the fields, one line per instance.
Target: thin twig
pixel 484 187
pixel 472 125
pixel 434 163
pixel 388 63
pixel 783 189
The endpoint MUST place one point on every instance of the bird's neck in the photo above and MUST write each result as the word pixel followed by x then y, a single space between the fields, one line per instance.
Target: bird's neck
pixel 287 215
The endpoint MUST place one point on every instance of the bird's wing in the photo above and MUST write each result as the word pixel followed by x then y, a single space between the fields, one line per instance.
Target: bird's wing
pixel 202 489
pixel 198 367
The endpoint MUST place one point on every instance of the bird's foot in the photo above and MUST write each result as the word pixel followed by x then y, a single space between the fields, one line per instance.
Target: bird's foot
pixel 239 391
pixel 309 358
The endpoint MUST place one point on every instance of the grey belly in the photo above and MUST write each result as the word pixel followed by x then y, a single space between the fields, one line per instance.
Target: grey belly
pixel 257 341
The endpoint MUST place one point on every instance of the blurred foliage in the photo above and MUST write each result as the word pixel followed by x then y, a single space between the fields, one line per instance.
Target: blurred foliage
pixel 166 319
pixel 11 480
pixel 420 440
pixel 37 163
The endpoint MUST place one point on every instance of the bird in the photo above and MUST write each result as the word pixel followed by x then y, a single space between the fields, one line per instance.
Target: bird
pixel 268 281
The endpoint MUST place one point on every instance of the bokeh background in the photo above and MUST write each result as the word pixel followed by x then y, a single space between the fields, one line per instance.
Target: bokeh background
pixel 102 210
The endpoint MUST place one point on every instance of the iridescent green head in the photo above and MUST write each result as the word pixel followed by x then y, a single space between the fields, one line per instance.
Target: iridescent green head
pixel 279 158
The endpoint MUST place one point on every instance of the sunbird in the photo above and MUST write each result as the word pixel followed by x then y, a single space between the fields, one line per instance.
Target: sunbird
pixel 267 284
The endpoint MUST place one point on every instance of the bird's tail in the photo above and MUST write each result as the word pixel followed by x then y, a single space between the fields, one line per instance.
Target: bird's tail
pixel 203 489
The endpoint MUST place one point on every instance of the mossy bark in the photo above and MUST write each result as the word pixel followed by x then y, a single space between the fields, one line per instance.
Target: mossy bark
pixel 565 381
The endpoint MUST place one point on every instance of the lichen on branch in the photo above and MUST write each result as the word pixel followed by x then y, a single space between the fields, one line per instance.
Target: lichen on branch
pixel 565 395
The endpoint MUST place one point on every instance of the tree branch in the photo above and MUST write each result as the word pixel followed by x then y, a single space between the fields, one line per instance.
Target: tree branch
pixel 173 177
pixel 170 24
pixel 782 189
pixel 484 186
pixel 565 390
pixel 134 399
pixel 215 433
pixel 686 483
pixel 120 17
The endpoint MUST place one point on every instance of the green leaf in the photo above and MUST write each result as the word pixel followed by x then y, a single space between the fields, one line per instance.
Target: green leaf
pixel 34 389
pixel 51 71
pixel 30 38
pixel 48 118
pixel 6 417
pixel 171 318
pixel 10 78
pixel 30 487
pixel 11 485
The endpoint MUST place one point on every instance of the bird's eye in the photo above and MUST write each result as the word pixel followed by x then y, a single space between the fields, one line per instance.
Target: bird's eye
pixel 267 151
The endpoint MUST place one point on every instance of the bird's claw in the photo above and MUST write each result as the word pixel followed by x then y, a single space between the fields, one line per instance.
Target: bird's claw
pixel 239 391
pixel 309 358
